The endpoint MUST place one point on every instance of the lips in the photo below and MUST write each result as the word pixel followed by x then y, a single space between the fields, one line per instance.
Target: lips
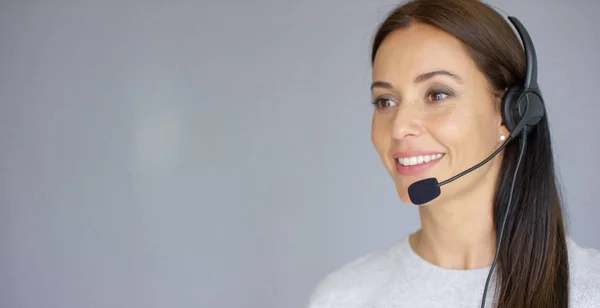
pixel 419 159
pixel 416 162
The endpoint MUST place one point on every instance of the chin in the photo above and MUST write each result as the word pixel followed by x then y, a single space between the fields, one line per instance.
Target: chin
pixel 403 193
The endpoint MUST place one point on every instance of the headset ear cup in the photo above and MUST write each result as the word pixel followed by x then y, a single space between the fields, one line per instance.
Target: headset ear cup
pixel 510 108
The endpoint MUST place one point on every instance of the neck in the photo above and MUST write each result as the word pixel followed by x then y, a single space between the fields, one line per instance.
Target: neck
pixel 458 234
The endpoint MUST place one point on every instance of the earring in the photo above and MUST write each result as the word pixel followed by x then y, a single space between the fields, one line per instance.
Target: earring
pixel 502 137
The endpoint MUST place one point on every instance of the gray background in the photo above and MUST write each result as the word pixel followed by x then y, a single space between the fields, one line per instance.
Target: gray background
pixel 217 153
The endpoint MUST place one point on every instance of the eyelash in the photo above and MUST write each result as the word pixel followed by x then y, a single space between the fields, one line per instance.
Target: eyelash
pixel 447 93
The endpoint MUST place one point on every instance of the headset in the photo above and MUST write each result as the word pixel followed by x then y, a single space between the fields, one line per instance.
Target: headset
pixel 523 105
pixel 522 109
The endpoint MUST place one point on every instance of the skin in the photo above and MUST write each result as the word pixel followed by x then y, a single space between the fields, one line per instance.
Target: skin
pixel 459 117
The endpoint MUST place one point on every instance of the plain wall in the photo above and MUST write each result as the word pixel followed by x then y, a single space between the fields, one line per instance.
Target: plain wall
pixel 218 153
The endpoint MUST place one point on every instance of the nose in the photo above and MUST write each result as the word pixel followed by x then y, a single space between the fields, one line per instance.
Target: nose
pixel 407 122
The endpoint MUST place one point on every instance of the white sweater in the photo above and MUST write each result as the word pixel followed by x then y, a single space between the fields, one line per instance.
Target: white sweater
pixel 398 277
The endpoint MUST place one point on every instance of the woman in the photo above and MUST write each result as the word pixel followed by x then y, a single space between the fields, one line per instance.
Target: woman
pixel 440 71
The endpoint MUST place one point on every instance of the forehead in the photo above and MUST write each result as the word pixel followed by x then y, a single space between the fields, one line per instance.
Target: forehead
pixel 421 48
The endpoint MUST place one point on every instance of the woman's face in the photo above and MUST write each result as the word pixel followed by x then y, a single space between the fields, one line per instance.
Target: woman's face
pixel 435 114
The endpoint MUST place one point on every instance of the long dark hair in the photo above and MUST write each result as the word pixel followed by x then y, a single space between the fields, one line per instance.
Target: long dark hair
pixel 532 267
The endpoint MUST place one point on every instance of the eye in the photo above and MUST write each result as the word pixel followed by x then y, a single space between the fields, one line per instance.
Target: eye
pixel 438 95
pixel 383 103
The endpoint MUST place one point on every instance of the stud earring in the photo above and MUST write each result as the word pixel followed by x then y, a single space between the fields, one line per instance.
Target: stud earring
pixel 502 137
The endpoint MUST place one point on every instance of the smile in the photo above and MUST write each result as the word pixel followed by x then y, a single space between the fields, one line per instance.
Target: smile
pixel 417 160
pixel 413 163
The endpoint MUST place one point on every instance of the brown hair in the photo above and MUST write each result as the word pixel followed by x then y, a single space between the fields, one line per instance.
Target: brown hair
pixel 532 267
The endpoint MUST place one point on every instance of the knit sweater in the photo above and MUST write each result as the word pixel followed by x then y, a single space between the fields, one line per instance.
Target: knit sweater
pixel 398 277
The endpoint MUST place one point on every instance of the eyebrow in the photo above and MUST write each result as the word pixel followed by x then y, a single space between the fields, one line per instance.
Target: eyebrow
pixel 419 79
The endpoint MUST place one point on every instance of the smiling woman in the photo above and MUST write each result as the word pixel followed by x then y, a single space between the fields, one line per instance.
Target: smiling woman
pixel 446 75
pixel 434 106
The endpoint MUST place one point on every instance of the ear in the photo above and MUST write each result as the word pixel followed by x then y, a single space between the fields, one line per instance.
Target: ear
pixel 502 131
pixel 501 127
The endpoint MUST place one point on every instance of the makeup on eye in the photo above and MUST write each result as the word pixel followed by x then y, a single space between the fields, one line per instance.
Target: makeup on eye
pixel 433 95
pixel 437 94
pixel 378 102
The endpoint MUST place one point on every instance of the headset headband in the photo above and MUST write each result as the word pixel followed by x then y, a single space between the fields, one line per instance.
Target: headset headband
pixel 531 75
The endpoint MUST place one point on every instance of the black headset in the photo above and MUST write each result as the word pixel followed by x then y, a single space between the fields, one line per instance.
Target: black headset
pixel 523 106
pixel 522 110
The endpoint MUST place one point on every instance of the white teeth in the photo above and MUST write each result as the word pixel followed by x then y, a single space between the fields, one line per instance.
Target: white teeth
pixel 416 160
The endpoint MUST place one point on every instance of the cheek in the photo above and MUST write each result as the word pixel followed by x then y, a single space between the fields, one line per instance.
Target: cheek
pixel 451 129
pixel 463 132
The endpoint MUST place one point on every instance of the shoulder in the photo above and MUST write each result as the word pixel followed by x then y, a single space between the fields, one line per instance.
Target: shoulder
pixel 352 284
pixel 584 264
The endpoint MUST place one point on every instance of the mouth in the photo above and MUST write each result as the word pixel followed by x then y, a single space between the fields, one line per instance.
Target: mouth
pixel 418 160
pixel 416 164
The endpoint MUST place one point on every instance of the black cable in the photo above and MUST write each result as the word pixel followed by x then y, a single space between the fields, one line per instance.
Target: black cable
pixel 523 144
pixel 478 165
